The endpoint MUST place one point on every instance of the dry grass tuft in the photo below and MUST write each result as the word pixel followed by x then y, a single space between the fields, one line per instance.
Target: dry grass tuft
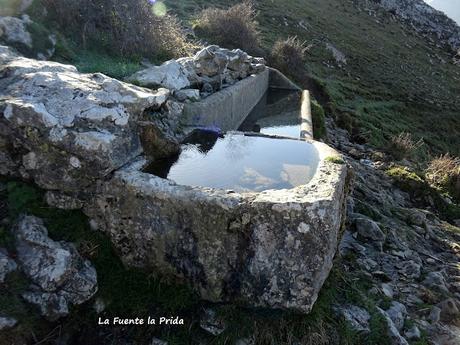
pixel 126 28
pixel 289 56
pixel 234 27
pixel 403 146
pixel 444 173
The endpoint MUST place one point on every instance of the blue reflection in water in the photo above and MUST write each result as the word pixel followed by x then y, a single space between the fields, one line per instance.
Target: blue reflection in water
pixel 239 162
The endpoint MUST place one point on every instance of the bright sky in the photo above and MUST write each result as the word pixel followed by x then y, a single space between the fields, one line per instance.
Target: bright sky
pixel 449 7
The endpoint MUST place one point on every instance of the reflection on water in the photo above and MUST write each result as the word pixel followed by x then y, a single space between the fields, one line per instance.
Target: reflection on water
pixel 277 113
pixel 240 163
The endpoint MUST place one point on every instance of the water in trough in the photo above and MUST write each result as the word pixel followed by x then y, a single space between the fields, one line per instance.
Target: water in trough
pixel 247 161
pixel 240 162
pixel 277 113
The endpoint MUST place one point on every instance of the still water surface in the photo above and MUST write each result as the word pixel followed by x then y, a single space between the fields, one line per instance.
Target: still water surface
pixel 239 162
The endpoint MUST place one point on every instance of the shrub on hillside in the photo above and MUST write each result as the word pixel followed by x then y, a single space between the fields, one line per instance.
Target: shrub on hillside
pixel 234 27
pixel 403 145
pixel 289 56
pixel 123 28
pixel 444 172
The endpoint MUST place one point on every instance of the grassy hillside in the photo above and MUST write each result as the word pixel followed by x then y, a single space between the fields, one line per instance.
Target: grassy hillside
pixel 394 81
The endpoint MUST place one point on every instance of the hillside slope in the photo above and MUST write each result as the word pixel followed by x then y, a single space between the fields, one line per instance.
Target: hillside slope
pixel 393 81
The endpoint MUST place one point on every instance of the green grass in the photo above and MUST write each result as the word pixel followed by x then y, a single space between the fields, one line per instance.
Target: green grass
pixel 385 85
pixel 127 292
pixel 131 292
pixel 115 67
pixel 318 120
pixel 334 159
pixel 415 184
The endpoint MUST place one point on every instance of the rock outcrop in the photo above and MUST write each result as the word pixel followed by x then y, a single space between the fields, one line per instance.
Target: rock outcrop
pixel 426 20
pixel 71 129
pixel 408 254
pixel 60 276
pixel 18 33
pixel 210 70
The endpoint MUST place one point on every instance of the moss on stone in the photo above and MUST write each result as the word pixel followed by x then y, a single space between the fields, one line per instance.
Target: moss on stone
pixel 318 119
pixel 334 159
pixel 406 179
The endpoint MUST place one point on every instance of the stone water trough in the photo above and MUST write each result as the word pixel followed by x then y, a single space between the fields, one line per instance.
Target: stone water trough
pixel 169 170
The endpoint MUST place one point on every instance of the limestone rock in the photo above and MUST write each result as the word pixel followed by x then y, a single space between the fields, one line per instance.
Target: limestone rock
pixel 436 281
pixel 210 322
pixel 357 317
pixel 387 290
pixel 17 32
pixel 424 19
pixel 51 305
pixel 413 333
pixel 410 269
pixel 59 274
pixel 210 61
pixel 14 30
pixel 71 128
pixel 219 66
pixel 435 314
pixel 339 56
pixel 187 94
pixel 7 265
pixel 449 310
pixel 416 217
pixel 397 313
pixel 369 229
pixel 7 323
pixel 210 69
pixel 158 131
pixel 63 201
pixel 99 305
pixel 272 249
pixel 171 75
pixel 392 330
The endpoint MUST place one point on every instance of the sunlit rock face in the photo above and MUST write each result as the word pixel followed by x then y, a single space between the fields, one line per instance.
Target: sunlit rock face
pixel 69 129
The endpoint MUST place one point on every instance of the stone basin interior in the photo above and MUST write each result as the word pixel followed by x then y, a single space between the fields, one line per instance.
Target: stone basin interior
pixel 245 161
pixel 277 113
pixel 239 162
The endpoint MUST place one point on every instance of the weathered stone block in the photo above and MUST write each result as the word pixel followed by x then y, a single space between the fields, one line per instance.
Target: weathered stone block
pixel 72 128
pixel 270 249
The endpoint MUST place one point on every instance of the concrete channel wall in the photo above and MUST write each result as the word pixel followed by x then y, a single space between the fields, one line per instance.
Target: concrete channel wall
pixel 228 108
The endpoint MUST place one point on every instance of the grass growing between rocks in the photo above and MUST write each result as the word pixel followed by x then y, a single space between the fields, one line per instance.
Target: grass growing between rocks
pixel 126 292
pixel 322 326
pixel 115 67
pixel 421 192
pixel 133 293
